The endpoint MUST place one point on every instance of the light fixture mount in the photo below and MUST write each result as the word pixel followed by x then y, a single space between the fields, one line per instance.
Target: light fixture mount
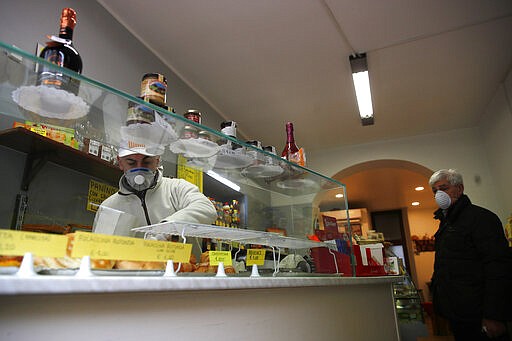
pixel 358 62
pixel 367 121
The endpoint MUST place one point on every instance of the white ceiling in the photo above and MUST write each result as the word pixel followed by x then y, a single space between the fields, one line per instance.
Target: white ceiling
pixel 382 189
pixel 434 65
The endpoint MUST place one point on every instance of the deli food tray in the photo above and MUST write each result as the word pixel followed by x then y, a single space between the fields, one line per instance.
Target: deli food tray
pixel 160 273
pixel 120 273
pixel 114 272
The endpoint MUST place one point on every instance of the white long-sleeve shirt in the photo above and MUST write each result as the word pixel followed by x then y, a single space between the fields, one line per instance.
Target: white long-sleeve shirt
pixel 169 200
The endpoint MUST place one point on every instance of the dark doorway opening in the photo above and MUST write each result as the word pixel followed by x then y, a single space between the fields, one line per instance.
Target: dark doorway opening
pixel 391 224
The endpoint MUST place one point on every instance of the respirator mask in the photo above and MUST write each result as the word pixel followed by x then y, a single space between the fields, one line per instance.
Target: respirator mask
pixel 140 178
pixel 443 200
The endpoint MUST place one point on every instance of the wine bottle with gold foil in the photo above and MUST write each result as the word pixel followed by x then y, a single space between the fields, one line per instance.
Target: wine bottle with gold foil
pixel 291 151
pixel 60 51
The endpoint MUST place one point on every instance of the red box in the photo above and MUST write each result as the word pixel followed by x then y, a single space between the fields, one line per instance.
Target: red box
pixel 372 269
pixel 324 260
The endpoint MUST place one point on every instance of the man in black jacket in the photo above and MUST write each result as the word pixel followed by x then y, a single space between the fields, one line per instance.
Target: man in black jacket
pixel 471 283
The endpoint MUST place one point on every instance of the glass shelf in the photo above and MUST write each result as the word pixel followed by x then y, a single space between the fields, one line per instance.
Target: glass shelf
pixel 105 120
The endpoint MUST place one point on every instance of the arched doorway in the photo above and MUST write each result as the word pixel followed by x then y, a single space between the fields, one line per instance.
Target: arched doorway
pixel 389 185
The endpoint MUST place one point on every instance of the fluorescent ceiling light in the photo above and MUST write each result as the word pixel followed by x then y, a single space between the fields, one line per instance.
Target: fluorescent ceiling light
pixel 223 180
pixel 419 188
pixel 361 79
pixel 415 203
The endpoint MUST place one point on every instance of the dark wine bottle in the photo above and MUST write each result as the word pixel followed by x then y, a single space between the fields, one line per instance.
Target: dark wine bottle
pixel 291 151
pixel 60 51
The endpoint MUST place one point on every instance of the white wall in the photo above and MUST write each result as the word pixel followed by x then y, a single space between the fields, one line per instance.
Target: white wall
pixel 110 54
pixel 496 130
pixel 421 223
pixel 461 149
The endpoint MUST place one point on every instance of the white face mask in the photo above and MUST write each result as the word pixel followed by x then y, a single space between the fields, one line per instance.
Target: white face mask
pixel 443 200
pixel 140 178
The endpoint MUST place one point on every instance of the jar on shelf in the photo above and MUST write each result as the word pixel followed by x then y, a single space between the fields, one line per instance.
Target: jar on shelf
pixel 153 88
pixel 269 160
pixel 203 134
pixel 193 115
pixel 138 113
pixel 189 132
pixel 254 154
pixel 229 128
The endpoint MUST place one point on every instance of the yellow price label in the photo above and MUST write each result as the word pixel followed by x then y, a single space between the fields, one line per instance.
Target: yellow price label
pixel 101 246
pixel 255 257
pixel 192 175
pixel 17 243
pixel 220 256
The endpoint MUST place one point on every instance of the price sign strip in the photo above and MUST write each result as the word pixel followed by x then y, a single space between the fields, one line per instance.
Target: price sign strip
pixel 99 246
pixel 17 243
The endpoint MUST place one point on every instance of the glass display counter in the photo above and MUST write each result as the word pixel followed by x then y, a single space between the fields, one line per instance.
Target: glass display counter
pixel 58 153
pixel 61 155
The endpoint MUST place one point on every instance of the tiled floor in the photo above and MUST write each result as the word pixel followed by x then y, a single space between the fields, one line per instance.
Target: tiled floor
pixel 440 329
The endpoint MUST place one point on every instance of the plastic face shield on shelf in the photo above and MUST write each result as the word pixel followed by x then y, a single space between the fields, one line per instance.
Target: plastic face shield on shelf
pixel 154 136
pixel 114 222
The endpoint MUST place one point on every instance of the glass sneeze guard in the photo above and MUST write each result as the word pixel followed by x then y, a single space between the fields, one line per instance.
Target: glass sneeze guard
pixel 273 193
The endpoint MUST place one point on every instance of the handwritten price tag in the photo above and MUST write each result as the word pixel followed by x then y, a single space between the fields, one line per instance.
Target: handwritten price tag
pixel 255 257
pixel 220 256
pixel 17 243
pixel 97 193
pixel 192 175
pixel 100 246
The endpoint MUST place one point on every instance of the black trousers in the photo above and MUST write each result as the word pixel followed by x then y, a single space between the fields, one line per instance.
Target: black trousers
pixel 472 331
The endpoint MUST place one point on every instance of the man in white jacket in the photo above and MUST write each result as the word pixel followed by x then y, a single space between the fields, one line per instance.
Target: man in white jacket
pixel 145 197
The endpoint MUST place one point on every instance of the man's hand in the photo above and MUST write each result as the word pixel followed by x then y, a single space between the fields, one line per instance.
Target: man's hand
pixel 493 328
